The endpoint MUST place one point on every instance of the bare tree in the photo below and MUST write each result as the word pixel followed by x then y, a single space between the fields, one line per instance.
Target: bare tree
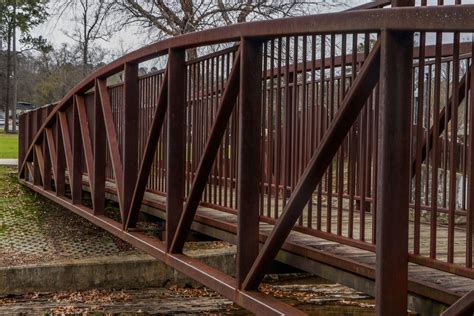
pixel 175 17
pixel 92 22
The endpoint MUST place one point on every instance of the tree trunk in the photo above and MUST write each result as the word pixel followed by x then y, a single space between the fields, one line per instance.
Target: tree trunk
pixel 8 73
pixel 85 48
pixel 15 78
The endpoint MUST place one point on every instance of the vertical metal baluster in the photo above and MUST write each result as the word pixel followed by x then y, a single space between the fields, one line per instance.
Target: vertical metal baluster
pixel 453 156
pixel 341 165
pixel 220 87
pixel 264 128
pixel 286 125
pixel 212 180
pixel 279 167
pixel 470 201
pixel 419 141
pixel 188 175
pixel 270 120
pixel 434 147
pixel 352 146
pixel 445 149
pixel 312 119
pixel 376 155
pixel 331 110
pixel 225 67
pixel 322 125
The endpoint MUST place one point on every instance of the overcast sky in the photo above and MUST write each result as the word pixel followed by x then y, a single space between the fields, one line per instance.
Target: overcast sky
pixel 127 40
pixel 55 30
pixel 133 37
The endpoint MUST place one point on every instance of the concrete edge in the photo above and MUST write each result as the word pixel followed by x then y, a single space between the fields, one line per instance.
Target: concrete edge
pixel 112 272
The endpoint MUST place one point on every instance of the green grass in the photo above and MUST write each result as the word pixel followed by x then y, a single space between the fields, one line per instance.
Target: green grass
pixel 8 145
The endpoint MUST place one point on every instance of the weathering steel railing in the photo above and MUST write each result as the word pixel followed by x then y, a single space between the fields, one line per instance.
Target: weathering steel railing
pixel 291 125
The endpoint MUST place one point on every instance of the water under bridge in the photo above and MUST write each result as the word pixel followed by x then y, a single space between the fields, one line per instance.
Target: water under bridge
pixel 319 141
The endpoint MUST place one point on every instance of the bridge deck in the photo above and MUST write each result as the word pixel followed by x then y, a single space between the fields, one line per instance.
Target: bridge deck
pixel 426 282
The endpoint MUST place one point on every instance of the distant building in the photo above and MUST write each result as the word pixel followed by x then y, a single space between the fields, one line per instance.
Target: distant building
pixel 25 106
pixel 21 107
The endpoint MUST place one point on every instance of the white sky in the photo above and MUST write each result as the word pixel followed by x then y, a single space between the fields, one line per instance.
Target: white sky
pixel 124 41
pixel 55 29
pixel 131 38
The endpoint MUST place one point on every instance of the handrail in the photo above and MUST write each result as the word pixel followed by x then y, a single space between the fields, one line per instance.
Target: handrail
pixel 446 18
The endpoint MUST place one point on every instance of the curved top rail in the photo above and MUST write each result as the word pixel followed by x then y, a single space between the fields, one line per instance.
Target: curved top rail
pixel 430 19
pixel 410 19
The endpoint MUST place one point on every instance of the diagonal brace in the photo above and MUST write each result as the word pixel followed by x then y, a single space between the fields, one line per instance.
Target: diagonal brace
pixel 52 149
pixel 112 141
pixel 226 107
pixel 150 149
pixel 63 123
pixel 86 139
pixel 40 160
pixel 464 306
pixel 445 116
pixel 351 106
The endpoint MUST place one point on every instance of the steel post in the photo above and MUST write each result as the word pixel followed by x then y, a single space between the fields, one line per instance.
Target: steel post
pixel 249 115
pixel 175 141
pixel 130 135
pixel 393 173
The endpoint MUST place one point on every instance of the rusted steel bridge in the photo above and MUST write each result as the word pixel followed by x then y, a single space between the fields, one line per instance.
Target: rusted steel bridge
pixel 318 141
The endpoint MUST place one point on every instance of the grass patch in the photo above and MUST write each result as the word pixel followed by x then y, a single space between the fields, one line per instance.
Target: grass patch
pixel 8 146
pixel 15 199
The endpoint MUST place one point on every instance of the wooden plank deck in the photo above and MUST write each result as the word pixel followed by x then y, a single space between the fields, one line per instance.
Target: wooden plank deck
pixel 425 228
pixel 439 285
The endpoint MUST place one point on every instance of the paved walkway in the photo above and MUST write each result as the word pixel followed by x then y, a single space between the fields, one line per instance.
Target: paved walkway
pixel 8 162
pixel 33 230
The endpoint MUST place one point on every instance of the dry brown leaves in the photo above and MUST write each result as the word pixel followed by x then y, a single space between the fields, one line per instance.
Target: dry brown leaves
pixel 94 296
pixel 10 258
pixel 321 294
pixel 190 292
